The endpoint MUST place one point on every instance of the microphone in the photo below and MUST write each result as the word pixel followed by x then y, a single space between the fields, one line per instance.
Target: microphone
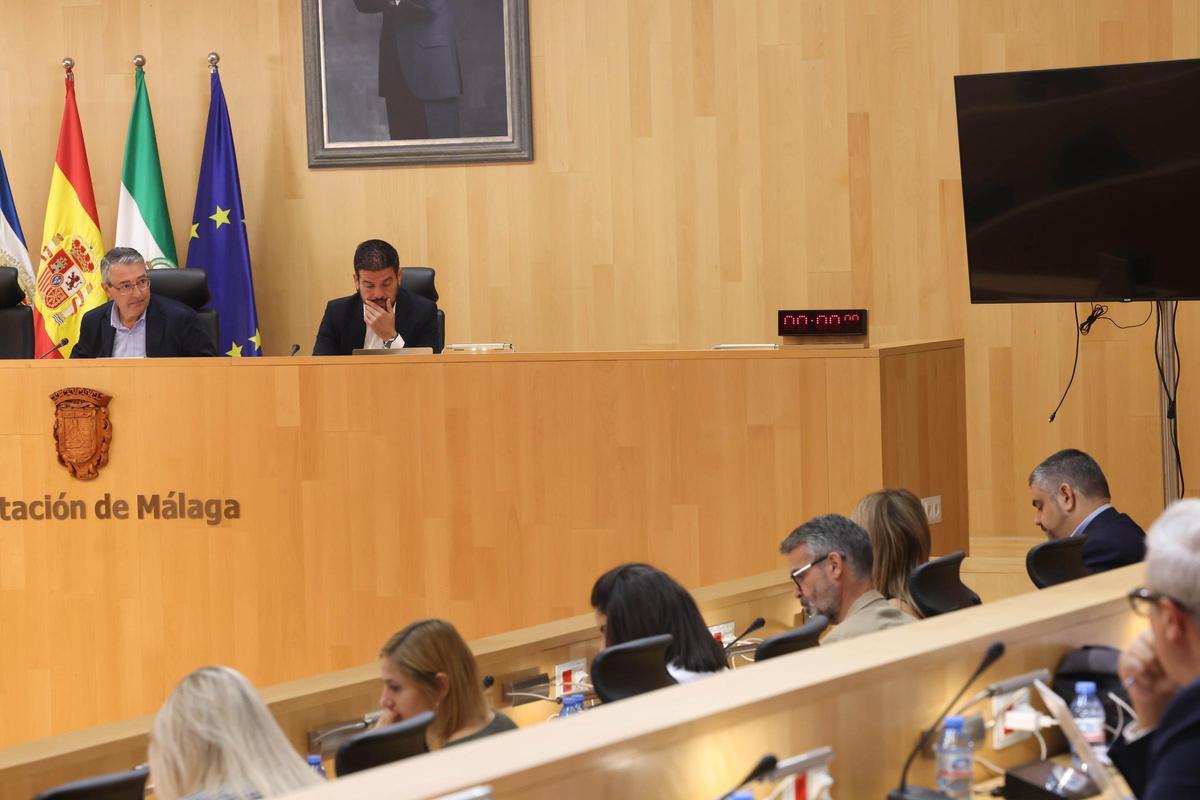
pixel 488 680
pixel 1007 685
pixel 295 349
pixel 765 766
pixel 758 623
pixel 903 792
pixel 61 343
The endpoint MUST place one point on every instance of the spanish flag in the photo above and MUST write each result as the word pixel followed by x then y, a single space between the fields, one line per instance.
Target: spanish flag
pixel 68 278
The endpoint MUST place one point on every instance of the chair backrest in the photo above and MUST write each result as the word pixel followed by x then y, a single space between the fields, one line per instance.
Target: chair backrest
pixel 189 286
pixel 375 748
pixel 1056 561
pixel 16 319
pixel 629 669
pixel 420 280
pixel 936 587
pixel 797 639
pixel 128 785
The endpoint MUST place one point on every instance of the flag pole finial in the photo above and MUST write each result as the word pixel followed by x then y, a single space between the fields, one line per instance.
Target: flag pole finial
pixel 214 59
pixel 69 65
pixel 139 61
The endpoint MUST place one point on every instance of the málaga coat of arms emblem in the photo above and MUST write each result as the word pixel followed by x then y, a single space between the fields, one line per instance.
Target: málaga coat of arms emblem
pixel 82 431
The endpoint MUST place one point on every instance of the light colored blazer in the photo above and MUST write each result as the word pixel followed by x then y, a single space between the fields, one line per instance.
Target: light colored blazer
pixel 871 612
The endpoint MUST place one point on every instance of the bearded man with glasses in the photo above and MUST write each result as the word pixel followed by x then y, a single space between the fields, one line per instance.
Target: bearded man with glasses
pixel 134 323
pixel 1159 753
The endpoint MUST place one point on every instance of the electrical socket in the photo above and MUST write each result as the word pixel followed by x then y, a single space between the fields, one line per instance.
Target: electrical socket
pixel 933 508
pixel 723 633
pixel 1002 736
pixel 565 672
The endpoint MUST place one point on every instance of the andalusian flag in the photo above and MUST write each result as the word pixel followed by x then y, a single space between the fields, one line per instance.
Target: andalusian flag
pixel 142 219
pixel 68 279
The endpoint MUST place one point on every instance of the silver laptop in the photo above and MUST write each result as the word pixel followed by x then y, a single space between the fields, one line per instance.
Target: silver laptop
pixel 1079 743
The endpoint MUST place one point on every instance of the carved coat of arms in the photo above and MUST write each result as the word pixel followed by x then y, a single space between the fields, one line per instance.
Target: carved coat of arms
pixel 82 431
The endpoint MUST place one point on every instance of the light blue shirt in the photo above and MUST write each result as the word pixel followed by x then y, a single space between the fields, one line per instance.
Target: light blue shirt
pixel 1087 520
pixel 128 342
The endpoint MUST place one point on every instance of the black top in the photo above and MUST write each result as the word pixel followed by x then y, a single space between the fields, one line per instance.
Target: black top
pixel 343 329
pixel 1113 540
pixel 172 330
pixel 499 725
pixel 1162 764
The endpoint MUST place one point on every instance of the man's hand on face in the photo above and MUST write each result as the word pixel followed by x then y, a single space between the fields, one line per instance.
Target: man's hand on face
pixel 381 321
pixel 1149 687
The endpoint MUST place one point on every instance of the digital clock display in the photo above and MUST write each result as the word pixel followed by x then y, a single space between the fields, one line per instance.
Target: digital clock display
pixel 823 322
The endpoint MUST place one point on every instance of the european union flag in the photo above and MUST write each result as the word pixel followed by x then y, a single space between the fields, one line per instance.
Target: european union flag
pixel 218 242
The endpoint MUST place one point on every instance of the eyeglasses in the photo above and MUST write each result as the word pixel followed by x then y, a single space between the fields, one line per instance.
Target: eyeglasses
pixel 1141 600
pixel 142 284
pixel 797 574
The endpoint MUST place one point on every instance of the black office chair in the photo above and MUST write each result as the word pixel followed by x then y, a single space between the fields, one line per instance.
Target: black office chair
pixel 375 748
pixel 936 587
pixel 128 785
pixel 16 318
pixel 189 286
pixel 1056 561
pixel 419 280
pixel 632 668
pixel 793 641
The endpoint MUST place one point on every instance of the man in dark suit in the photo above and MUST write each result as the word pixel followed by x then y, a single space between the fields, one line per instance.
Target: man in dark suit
pixel 1070 498
pixel 1159 753
pixel 419 73
pixel 135 323
pixel 380 315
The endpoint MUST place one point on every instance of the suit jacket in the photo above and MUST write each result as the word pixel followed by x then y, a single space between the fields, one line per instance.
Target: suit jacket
pixel 871 612
pixel 1113 540
pixel 172 330
pixel 343 330
pixel 417 46
pixel 1162 764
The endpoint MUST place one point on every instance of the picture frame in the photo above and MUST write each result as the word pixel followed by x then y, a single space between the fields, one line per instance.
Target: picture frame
pixel 399 82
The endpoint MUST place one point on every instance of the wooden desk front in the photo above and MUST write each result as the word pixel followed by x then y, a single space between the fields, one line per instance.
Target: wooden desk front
pixel 489 490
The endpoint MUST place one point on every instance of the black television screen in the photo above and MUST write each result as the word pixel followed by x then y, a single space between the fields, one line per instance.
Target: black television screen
pixel 1082 184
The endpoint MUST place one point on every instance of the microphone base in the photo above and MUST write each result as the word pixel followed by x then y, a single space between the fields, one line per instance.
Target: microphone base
pixel 916 793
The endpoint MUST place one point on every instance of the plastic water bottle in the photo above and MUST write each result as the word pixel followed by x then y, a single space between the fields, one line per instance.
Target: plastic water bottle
pixel 572 704
pixel 1089 716
pixel 314 763
pixel 955 760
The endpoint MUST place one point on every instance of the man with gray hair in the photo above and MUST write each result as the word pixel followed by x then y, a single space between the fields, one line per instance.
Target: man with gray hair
pixel 1159 753
pixel 1070 498
pixel 134 323
pixel 830 561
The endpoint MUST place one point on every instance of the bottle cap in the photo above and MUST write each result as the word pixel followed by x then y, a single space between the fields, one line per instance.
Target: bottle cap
pixel 1085 687
pixel 954 722
pixel 314 760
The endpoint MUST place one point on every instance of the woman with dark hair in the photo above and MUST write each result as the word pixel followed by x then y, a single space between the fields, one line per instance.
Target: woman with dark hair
pixel 634 601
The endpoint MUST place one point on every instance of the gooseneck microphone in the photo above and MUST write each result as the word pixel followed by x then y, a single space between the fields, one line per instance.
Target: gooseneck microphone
pixel 758 623
pixel 61 343
pixel 295 349
pixel 903 792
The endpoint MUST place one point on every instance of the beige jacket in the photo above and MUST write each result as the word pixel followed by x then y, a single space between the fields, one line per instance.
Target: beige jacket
pixel 871 612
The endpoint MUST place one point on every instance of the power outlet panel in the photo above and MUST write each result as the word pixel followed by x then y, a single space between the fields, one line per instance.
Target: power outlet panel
pixel 933 508
pixel 566 673
pixel 1002 736
pixel 723 633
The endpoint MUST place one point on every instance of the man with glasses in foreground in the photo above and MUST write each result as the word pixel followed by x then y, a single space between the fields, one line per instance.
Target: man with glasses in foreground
pixel 1159 754
pixel 830 561
pixel 134 323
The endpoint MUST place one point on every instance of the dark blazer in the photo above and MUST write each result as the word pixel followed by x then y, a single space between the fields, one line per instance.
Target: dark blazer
pixel 1162 765
pixel 343 330
pixel 172 330
pixel 417 46
pixel 1113 540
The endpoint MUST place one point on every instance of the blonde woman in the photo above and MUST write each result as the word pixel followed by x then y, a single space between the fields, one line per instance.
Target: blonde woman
pixel 215 740
pixel 428 667
pixel 899 530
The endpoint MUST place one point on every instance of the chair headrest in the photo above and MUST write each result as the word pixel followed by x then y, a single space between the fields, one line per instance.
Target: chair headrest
pixel 419 280
pixel 187 285
pixel 10 288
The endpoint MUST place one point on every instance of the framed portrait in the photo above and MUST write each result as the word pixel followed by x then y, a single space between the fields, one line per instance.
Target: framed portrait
pixel 416 81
